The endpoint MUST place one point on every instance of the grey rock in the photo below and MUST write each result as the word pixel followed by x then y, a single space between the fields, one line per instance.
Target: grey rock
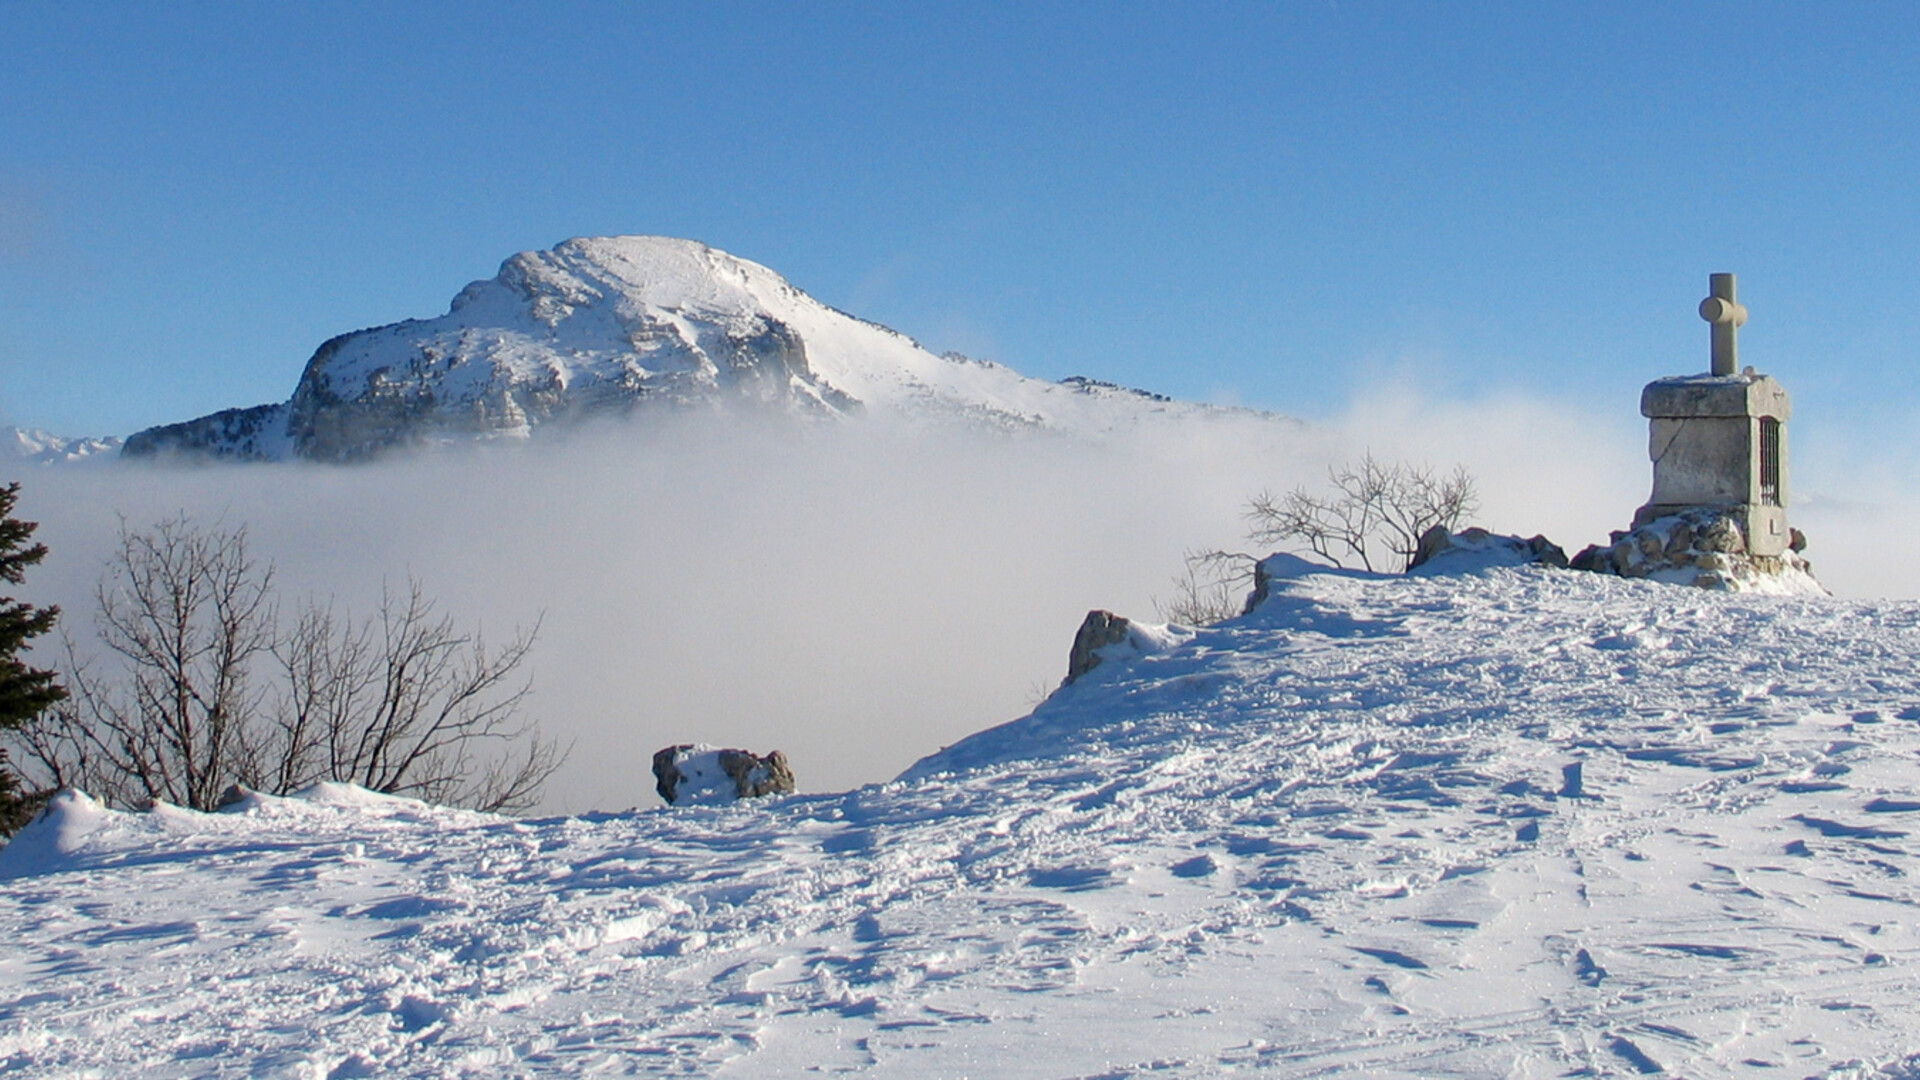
pixel 1624 556
pixel 676 772
pixel 1547 553
pixel 1432 542
pixel 1437 542
pixel 1723 534
pixel 755 776
pixel 1701 546
pixel 1098 630
pixel 666 774
pixel 1594 559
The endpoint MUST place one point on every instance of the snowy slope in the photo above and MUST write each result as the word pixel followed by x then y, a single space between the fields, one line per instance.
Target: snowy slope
pixel 602 326
pixel 1340 834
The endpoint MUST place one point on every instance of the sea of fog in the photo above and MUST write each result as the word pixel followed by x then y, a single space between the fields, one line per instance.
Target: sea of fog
pixel 853 595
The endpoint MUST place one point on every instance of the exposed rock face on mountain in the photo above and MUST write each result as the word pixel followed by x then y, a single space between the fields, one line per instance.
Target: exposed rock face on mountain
pixel 610 325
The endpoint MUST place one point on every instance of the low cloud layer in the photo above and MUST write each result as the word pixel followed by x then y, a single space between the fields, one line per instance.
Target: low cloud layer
pixel 855 596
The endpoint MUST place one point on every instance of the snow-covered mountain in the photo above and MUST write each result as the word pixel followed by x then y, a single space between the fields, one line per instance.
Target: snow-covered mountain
pixel 37 447
pixel 1515 822
pixel 606 325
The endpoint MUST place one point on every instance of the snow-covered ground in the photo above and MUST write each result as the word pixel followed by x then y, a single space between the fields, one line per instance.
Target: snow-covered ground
pixel 1519 822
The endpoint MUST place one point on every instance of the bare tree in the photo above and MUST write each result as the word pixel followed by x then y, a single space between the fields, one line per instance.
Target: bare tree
pixel 327 681
pixel 403 703
pixel 73 745
pixel 1376 510
pixel 187 612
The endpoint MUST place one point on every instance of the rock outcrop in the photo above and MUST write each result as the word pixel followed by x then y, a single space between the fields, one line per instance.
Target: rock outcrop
pixel 1105 636
pixel 697 773
pixel 1097 631
pixel 1706 548
pixel 1480 547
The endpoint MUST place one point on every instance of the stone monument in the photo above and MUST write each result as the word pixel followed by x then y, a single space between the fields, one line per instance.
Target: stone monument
pixel 1717 517
pixel 1719 440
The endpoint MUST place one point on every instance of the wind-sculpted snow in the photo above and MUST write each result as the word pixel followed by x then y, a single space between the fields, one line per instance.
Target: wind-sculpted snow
pixel 1518 823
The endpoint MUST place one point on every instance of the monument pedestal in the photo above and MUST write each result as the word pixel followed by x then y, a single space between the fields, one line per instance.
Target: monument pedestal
pixel 1719 442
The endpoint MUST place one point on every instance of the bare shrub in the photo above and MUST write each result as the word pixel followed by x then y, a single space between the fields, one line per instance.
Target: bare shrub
pixel 1375 513
pixel 187 613
pixel 403 703
pixel 1209 590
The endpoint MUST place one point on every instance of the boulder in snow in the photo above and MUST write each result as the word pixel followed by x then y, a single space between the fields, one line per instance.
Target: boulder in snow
pixel 1097 631
pixel 1443 552
pixel 1105 636
pixel 698 773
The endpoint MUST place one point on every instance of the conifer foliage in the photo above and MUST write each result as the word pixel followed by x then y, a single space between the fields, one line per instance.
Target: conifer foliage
pixel 25 692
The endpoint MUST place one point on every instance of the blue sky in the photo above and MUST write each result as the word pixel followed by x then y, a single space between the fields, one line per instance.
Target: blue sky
pixel 1288 206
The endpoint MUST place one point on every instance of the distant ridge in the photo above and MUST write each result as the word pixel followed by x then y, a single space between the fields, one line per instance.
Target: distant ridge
pixel 37 447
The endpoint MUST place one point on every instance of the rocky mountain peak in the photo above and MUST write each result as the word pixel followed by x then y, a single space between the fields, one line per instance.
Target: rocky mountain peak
pixel 611 326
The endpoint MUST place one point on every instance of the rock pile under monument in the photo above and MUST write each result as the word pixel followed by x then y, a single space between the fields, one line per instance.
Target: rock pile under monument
pixel 1703 547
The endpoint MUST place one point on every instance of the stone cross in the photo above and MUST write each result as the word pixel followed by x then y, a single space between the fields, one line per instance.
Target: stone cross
pixel 1727 317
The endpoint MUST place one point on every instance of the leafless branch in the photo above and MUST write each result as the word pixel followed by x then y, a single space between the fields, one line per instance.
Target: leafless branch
pixel 1210 588
pixel 1375 511
pixel 404 702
